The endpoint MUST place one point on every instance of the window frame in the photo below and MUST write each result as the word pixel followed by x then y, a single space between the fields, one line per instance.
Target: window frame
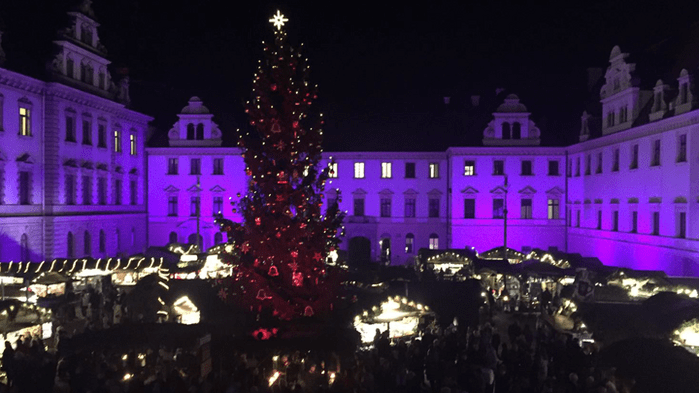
pixel 471 209
pixel 386 170
pixel 172 206
pixel 410 172
pixel 434 170
pixel 470 168
pixel 359 170
pixel 526 211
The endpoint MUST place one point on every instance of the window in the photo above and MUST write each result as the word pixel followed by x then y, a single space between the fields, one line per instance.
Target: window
pixel 332 170
pixel 516 130
pixel 615 220
pixel 410 207
pixel 498 167
pixel 133 197
pixel 498 208
pixel 87 132
pixel 599 163
pixel 434 207
pixel 599 219
pixel 172 166
pixel 553 209
pixel 656 223
pixel 25 195
pixel 385 207
pixel 359 207
pixel 386 170
pixel 409 241
pixel 610 119
pixel 102 242
pixel 190 131
pixel 173 237
pixel 87 190
pixel 506 133
pixel 117 192
pixel 87 244
pixel 526 168
pixel 655 161
pixel 615 164
pixel 577 167
pixel 200 132
pixel 553 168
pixel 132 143
pixel 194 206
pixel 359 170
pixel 86 35
pixel 634 222
pixel 172 205
pixel 588 162
pixel 634 157
pixel 469 208
pixel 24 248
pixel 218 204
pixel 102 190
pixel 623 114
pixel 434 170
pixel 682 225
pixel 195 166
pixel 682 148
pixel 70 65
pixel 117 141
pixel 70 189
pixel 101 80
pixel 577 219
pixel 25 128
pixel 469 168
pixel 70 128
pixel 409 170
pixel 102 135
pixel 86 74
pixel 526 208
pixel 434 241
pixel 70 245
pixel 218 166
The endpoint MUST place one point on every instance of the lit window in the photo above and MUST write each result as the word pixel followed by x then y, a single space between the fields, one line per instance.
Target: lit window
pixel 469 168
pixel 332 170
pixel 553 206
pixel 132 141
pixel 359 170
pixel 25 128
pixel 386 170
pixel 434 241
pixel 434 170
pixel 526 208
pixel 117 141
pixel 409 240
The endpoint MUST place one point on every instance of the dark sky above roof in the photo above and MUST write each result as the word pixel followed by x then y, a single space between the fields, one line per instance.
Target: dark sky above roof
pixel 383 69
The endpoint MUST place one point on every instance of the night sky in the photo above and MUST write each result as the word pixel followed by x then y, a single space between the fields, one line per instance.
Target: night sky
pixel 382 69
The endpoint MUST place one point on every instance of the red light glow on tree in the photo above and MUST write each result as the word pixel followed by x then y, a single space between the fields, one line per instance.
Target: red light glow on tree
pixel 286 233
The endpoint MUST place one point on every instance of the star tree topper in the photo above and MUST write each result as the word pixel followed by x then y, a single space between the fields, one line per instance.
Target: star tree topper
pixel 278 20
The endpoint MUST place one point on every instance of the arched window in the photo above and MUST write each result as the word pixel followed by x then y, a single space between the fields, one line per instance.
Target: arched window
pixel 516 131
pixel 173 237
pixel 70 246
pixel 434 241
pixel 218 238
pixel 87 246
pixel 24 248
pixel 190 131
pixel 409 241
pixel 506 130
pixel 193 240
pixel 385 249
pixel 103 242
pixel 200 132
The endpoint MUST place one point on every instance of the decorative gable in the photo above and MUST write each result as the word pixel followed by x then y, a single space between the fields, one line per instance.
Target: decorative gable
pixel 435 193
pixel 469 190
pixel 217 188
pixel 527 191
pixel 359 192
pixel 557 191
pixel 25 159
pixel 499 190
pixel 171 188
pixel 194 188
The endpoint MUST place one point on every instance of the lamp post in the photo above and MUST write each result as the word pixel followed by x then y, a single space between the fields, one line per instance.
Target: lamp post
pixel 198 211
pixel 504 249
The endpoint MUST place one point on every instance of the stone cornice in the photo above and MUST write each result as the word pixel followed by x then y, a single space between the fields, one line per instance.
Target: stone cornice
pixel 21 82
pixel 90 100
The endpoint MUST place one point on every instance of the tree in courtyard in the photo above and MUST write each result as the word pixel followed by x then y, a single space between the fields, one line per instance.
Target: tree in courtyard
pixel 281 248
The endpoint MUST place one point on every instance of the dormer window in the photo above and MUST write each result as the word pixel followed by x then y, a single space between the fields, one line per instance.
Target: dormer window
pixel 86 35
pixel 200 132
pixel 506 133
pixel 86 73
pixel 516 130
pixel 610 119
pixel 190 132
pixel 623 114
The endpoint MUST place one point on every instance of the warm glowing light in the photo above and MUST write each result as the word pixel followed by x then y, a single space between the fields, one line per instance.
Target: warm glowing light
pixel 274 378
pixel 278 20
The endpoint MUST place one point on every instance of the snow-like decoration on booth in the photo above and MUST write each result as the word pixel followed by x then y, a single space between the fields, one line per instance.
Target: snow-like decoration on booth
pixel 399 316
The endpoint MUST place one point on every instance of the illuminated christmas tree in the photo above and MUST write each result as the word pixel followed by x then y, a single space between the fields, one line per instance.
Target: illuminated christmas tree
pixel 287 233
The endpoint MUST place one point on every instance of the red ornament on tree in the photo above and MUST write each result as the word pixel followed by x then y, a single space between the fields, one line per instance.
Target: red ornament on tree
pixel 276 128
pixel 273 272
pixel 297 279
pixel 308 311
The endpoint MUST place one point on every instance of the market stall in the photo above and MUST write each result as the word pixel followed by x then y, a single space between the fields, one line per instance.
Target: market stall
pixel 399 316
